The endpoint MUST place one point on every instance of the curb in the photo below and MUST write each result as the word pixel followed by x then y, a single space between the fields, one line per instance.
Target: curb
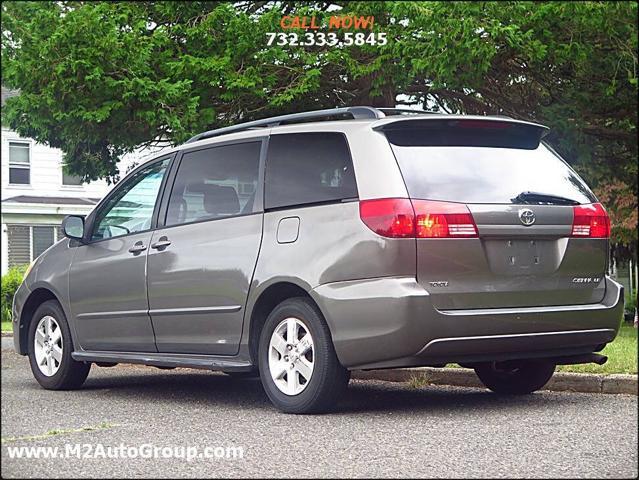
pixel 7 334
pixel 463 377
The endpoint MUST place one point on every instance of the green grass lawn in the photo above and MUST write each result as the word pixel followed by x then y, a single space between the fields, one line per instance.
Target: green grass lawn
pixel 621 353
pixel 6 327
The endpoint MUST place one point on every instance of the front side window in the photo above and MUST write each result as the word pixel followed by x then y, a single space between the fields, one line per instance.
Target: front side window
pixel 130 209
pixel 213 183
pixel 19 163
pixel 305 168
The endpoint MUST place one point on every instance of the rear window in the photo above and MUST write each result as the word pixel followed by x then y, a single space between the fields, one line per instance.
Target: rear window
pixel 306 168
pixel 486 174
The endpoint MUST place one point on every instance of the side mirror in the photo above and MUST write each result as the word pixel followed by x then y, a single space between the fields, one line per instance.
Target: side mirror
pixel 73 227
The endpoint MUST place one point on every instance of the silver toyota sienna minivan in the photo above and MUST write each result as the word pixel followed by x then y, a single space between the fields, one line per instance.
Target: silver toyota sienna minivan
pixel 302 247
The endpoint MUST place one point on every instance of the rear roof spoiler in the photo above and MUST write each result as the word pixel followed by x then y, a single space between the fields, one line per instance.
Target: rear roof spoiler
pixel 461 130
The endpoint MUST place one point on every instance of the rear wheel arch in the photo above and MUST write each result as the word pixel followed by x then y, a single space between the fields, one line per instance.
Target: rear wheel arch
pixel 35 299
pixel 267 300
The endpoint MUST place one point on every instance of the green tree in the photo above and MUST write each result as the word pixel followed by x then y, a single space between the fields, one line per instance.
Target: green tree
pixel 100 79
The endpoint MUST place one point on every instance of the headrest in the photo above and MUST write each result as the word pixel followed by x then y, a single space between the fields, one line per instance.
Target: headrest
pixel 219 200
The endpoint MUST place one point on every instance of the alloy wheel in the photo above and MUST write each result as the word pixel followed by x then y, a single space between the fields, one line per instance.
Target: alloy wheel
pixel 291 356
pixel 48 345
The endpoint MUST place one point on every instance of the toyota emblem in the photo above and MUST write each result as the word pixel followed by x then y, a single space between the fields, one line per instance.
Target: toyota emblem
pixel 526 217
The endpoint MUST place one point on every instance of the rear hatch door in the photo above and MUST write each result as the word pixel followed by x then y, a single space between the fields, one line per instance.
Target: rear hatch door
pixel 523 199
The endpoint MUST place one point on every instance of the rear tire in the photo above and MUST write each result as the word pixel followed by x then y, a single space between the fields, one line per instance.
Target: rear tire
pixel 298 365
pixel 515 378
pixel 50 358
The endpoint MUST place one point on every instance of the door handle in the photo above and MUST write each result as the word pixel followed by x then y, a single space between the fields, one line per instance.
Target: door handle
pixel 137 248
pixel 161 244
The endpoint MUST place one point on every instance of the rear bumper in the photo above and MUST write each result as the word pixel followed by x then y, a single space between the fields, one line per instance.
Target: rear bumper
pixel 390 322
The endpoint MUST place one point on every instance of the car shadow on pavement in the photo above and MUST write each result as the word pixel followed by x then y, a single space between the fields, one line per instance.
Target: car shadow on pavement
pixel 217 389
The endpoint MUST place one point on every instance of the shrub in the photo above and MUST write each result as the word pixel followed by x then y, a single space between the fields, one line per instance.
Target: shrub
pixel 10 283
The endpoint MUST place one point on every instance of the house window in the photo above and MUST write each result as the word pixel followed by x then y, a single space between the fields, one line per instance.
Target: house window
pixel 27 242
pixel 19 163
pixel 69 179
pixel 19 244
pixel 42 238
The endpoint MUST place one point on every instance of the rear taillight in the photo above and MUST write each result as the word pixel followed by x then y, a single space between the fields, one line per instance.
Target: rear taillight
pixel 389 217
pixel 590 221
pixel 401 218
pixel 443 220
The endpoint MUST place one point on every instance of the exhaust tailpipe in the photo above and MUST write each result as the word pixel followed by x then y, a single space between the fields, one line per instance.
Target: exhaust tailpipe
pixel 599 359
pixel 585 358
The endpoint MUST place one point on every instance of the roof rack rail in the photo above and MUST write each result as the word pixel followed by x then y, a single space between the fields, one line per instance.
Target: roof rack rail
pixel 402 111
pixel 355 112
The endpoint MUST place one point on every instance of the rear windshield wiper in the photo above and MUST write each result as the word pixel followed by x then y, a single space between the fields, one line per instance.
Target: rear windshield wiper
pixel 543 198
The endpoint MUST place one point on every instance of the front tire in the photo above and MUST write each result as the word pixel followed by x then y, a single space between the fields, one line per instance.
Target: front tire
pixel 298 365
pixel 515 378
pixel 50 347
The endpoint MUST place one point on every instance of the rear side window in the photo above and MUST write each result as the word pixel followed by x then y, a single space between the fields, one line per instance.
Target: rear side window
pixel 213 183
pixel 470 174
pixel 305 168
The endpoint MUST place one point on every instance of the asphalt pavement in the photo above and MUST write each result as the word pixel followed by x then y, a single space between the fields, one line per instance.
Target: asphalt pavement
pixel 380 429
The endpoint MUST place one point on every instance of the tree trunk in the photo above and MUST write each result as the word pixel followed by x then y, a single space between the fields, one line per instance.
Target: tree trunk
pixel 366 97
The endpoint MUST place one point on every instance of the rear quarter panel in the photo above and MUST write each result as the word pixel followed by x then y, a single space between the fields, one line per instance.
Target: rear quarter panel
pixel 333 245
pixel 332 242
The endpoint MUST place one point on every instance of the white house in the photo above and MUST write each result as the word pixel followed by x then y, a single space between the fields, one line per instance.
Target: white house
pixel 37 195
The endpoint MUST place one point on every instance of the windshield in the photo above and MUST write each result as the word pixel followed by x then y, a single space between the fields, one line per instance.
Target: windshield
pixel 487 175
